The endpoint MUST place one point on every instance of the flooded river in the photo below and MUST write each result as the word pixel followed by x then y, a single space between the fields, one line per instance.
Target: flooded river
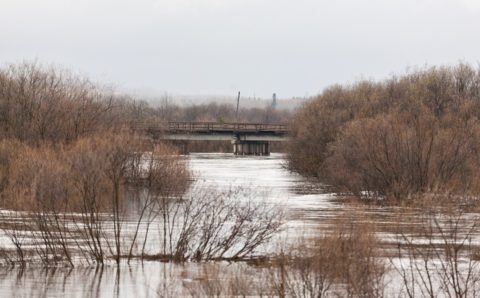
pixel 265 177
pixel 308 210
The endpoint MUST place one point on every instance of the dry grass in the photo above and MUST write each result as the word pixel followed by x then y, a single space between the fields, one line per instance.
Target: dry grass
pixel 344 262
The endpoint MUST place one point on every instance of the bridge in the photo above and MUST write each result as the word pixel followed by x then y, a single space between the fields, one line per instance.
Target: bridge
pixel 246 138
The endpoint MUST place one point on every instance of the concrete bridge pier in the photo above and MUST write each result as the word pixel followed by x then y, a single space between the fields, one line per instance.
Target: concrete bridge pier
pixel 246 138
pixel 251 147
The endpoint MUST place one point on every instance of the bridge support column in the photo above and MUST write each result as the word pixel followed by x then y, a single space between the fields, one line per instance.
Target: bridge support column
pixel 251 147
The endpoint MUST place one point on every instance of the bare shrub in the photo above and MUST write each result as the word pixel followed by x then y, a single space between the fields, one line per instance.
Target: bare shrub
pixel 16 227
pixel 344 262
pixel 160 178
pixel 438 258
pixel 50 104
pixel 93 176
pixel 10 150
pixel 411 134
pixel 67 159
pixel 39 183
pixel 208 225
pixel 396 155
pixel 104 168
pixel 315 125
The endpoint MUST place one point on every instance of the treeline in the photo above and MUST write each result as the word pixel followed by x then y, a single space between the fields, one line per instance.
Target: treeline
pixel 39 104
pixel 213 112
pixel 407 135
pixel 219 113
pixel 58 129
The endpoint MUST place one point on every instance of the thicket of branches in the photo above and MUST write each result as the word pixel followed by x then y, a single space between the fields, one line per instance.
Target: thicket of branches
pixel 53 121
pixel 39 104
pixel 220 112
pixel 407 135
pixel 79 182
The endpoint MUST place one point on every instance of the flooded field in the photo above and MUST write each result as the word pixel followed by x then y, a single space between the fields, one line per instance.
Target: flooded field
pixel 265 177
pixel 308 210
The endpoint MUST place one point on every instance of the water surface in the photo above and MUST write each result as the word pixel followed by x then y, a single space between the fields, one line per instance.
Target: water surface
pixel 265 178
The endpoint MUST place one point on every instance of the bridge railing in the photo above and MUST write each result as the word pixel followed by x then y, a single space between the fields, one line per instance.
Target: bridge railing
pixel 214 126
pixel 210 127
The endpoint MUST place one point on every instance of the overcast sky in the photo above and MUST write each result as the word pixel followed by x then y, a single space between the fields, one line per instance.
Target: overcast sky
pixel 291 47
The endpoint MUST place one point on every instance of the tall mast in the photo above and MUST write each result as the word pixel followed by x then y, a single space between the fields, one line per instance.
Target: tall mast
pixel 238 103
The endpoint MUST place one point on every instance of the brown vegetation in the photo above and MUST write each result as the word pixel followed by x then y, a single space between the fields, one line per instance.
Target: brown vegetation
pixel 78 186
pixel 220 113
pixel 393 139
pixel 344 262
pixel 39 105
pixel 79 182
pixel 73 192
pixel 438 258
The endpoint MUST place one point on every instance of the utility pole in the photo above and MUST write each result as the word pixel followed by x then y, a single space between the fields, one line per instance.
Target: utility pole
pixel 238 103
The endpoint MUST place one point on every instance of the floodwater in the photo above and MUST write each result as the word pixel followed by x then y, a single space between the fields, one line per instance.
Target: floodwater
pixel 265 177
pixel 308 210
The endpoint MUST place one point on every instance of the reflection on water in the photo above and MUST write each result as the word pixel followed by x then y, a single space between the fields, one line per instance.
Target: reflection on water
pixel 265 175
pixel 307 207
pixel 148 279
pixel 303 201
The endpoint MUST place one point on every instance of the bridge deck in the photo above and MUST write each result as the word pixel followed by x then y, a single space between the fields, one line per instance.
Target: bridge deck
pixel 247 138
pixel 211 128
pixel 214 127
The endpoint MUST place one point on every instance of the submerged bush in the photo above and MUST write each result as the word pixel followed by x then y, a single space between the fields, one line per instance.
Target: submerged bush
pixel 412 134
pixel 393 156
pixel 343 262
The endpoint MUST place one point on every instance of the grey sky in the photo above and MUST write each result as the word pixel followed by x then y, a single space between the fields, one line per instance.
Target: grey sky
pixel 293 48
